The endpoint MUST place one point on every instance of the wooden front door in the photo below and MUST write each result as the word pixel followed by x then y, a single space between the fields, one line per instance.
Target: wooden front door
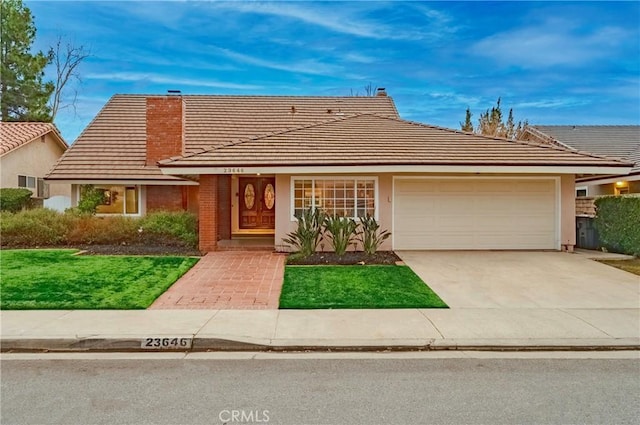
pixel 257 202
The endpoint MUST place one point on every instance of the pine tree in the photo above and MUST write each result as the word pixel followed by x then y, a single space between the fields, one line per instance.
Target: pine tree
pixel 24 94
pixel 491 123
pixel 467 125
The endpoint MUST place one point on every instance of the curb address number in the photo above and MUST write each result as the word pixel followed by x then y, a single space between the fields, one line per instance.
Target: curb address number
pixel 165 343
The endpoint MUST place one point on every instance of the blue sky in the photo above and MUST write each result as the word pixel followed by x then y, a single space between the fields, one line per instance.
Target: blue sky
pixel 552 62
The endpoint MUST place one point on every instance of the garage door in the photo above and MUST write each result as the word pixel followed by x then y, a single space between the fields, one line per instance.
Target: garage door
pixel 475 214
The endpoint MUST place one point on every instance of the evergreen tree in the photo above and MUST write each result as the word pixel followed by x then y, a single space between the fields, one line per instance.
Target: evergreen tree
pixel 24 94
pixel 491 123
pixel 467 125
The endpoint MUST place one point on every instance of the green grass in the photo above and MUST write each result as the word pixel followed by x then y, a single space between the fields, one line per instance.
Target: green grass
pixel 631 266
pixel 308 287
pixel 56 279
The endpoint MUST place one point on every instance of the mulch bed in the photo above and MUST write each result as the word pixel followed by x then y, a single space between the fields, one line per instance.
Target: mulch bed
pixel 319 258
pixel 138 250
pixel 349 258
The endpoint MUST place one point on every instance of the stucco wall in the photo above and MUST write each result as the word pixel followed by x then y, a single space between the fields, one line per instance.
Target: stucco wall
pixel 567 211
pixel 35 159
pixel 285 223
pixel 609 189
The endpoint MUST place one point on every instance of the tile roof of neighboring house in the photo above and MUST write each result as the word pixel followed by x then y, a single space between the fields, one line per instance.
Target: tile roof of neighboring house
pixel 113 145
pixel 16 134
pixel 621 141
pixel 368 139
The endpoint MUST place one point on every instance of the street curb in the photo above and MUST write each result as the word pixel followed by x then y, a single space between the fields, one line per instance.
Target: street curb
pixel 135 344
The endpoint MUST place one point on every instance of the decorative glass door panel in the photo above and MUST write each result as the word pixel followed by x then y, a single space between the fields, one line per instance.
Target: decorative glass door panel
pixel 257 202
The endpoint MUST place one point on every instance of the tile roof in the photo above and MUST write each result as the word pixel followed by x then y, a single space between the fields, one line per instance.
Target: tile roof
pixel 621 141
pixel 369 139
pixel 113 145
pixel 16 134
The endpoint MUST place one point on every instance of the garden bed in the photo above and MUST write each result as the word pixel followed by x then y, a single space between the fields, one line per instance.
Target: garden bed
pixel 348 258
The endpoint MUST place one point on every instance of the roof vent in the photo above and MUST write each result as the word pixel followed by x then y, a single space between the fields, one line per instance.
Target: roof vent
pixel 174 92
pixel 381 91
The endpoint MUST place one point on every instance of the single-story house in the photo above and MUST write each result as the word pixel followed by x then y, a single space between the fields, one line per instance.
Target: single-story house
pixel 247 164
pixel 28 151
pixel 618 141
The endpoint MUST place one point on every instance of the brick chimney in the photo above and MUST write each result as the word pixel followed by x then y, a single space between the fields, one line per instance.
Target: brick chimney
pixel 381 92
pixel 165 127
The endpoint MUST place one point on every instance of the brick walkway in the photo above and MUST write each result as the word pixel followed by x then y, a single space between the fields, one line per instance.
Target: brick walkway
pixel 228 280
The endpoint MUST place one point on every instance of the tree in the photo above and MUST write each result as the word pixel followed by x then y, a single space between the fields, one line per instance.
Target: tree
pixel 491 123
pixel 66 60
pixel 467 125
pixel 24 95
pixel 369 91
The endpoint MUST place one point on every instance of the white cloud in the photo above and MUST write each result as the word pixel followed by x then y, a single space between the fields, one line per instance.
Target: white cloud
pixel 309 66
pixel 164 79
pixel 341 18
pixel 551 44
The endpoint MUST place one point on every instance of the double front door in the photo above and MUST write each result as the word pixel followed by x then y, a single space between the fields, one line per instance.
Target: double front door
pixel 257 203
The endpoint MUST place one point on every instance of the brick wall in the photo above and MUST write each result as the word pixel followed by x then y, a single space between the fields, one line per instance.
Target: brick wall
pixel 164 128
pixel 167 198
pixel 585 206
pixel 208 212
pixel 224 207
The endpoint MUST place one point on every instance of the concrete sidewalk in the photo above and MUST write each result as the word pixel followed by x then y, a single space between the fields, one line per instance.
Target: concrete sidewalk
pixel 255 330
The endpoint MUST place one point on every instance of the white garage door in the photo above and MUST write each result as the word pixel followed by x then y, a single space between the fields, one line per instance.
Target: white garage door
pixel 475 214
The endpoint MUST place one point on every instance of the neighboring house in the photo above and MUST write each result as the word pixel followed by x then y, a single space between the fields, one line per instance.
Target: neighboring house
pixel 617 141
pixel 247 164
pixel 28 151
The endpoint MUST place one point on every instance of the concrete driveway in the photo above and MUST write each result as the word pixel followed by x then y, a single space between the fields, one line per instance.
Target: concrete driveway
pixel 477 279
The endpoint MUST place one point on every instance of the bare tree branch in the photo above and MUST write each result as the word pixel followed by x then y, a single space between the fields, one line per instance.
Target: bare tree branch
pixel 66 59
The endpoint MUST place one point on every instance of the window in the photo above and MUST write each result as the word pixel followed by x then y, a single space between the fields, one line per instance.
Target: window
pixel 344 197
pixel 118 200
pixel 28 182
pixel 622 190
pixel 43 189
pixel 581 192
pixel 36 185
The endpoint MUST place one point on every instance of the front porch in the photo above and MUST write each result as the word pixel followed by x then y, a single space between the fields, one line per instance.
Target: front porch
pixel 237 212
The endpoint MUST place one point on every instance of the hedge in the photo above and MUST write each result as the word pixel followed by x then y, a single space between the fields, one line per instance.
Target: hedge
pixel 14 200
pixel 45 227
pixel 618 223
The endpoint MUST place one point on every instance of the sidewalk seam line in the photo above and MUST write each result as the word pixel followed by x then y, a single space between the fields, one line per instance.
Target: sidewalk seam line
pixel 430 321
pixel 195 334
pixel 583 320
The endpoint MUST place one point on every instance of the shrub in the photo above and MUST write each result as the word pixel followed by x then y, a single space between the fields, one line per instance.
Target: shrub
pixel 90 198
pixel 309 232
pixel 618 223
pixel 370 236
pixel 37 227
pixel 341 232
pixel 14 200
pixel 112 230
pixel 170 228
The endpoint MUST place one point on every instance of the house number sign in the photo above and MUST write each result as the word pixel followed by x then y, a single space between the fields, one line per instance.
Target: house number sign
pixel 233 170
pixel 166 343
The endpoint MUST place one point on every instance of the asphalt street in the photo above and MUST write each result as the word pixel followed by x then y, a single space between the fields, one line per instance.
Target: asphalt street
pixel 319 390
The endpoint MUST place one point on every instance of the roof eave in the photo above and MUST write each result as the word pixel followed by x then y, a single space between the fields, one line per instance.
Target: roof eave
pixel 396 168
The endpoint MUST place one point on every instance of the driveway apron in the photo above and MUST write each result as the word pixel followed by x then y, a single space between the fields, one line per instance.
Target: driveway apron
pixel 228 280
pixel 517 279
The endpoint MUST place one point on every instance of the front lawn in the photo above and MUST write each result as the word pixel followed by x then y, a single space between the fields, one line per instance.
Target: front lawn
pixel 321 287
pixel 631 266
pixel 56 279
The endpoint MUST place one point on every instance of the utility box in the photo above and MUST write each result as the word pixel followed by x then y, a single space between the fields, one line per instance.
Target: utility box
pixel 586 233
